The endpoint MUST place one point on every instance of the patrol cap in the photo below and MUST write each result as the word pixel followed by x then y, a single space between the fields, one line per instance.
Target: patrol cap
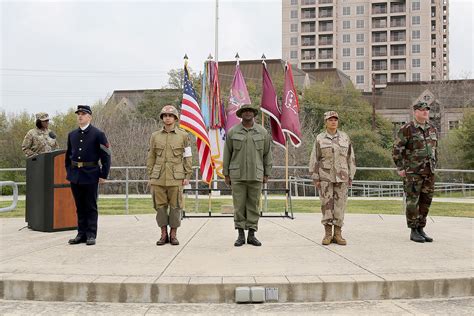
pixel 330 114
pixel 169 109
pixel 84 108
pixel 246 107
pixel 42 116
pixel 421 105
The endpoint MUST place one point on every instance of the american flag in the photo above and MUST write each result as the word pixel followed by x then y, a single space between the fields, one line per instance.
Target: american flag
pixel 192 121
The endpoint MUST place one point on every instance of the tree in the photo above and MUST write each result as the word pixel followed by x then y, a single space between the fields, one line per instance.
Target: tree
pixel 153 101
pixel 176 79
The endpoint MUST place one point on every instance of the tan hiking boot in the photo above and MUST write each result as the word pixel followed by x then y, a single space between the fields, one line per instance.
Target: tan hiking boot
pixel 338 236
pixel 328 235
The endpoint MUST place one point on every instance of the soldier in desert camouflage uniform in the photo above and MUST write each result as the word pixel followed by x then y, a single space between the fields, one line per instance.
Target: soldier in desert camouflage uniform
pixel 332 166
pixel 415 154
pixel 40 139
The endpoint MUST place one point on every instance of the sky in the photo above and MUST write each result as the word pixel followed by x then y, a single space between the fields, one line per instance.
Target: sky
pixel 57 54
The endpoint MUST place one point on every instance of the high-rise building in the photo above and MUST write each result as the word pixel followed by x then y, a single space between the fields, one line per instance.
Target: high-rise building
pixel 389 41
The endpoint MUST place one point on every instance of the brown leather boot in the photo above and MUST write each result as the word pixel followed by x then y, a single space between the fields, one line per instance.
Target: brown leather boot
pixel 327 235
pixel 164 237
pixel 173 240
pixel 338 236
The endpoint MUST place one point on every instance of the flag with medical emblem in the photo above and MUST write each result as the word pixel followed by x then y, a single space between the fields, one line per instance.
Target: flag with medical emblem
pixel 290 121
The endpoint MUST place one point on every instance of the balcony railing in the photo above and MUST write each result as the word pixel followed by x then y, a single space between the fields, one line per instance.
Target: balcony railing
pixel 325 1
pixel 398 23
pixel 398 52
pixel 397 9
pixel 398 66
pixel 399 79
pixel 379 10
pixel 397 38
pixel 325 42
pixel 325 56
pixel 326 29
pixel 378 39
pixel 378 53
pixel 307 15
pixel 308 43
pixel 309 57
pixel 379 67
pixel 380 80
pixel 379 25
pixel 325 14
pixel 308 2
pixel 308 29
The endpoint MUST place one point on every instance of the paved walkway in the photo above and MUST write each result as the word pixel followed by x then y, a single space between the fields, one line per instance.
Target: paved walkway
pixel 379 262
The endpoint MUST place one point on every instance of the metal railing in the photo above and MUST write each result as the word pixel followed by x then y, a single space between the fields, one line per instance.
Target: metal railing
pixel 361 188
pixel 15 195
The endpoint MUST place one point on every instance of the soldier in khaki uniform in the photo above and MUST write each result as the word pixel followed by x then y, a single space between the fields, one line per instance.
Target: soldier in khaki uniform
pixel 40 139
pixel 247 164
pixel 169 165
pixel 332 166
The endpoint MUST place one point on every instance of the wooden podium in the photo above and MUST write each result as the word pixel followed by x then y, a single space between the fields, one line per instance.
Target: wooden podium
pixel 49 202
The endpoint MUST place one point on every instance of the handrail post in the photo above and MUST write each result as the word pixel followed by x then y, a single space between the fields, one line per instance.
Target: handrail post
pixel 126 190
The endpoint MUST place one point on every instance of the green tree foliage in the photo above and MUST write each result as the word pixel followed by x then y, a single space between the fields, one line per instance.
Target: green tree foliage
pixel 153 101
pixel 465 141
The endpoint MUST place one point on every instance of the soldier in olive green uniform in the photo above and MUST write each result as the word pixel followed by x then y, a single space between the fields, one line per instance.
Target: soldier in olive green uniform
pixel 332 167
pixel 40 139
pixel 415 154
pixel 247 164
pixel 169 165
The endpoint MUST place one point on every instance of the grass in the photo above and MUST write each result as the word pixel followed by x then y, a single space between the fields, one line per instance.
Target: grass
pixel 145 206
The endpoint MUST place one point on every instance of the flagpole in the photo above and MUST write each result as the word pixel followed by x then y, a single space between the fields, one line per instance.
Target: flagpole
pixel 217 32
pixel 286 177
pixel 265 64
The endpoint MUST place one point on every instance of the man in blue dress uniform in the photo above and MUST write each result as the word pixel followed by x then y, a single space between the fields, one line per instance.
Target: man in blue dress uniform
pixel 85 147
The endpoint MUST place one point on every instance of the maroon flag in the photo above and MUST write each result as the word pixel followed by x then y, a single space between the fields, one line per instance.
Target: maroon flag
pixel 290 121
pixel 270 107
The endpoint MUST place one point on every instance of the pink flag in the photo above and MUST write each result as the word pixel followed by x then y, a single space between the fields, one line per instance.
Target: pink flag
pixel 270 107
pixel 238 96
pixel 290 121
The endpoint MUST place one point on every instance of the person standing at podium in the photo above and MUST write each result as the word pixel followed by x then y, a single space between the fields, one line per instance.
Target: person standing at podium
pixel 86 146
pixel 40 139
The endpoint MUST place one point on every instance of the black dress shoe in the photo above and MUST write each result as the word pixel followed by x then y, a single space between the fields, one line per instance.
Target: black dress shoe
pixel 415 236
pixel 77 240
pixel 252 240
pixel 90 241
pixel 423 234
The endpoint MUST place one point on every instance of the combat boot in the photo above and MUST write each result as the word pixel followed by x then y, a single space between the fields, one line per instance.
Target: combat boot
pixel 164 237
pixel 252 240
pixel 241 239
pixel 423 234
pixel 415 236
pixel 328 235
pixel 173 240
pixel 338 236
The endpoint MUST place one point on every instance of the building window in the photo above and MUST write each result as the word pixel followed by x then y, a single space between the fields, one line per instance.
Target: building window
pixel 415 76
pixel 346 25
pixel 360 9
pixel 346 65
pixel 294 41
pixel 360 24
pixel 453 125
pixel 346 38
pixel 360 38
pixel 360 65
pixel 415 20
pixel 294 14
pixel 294 27
pixel 294 2
pixel 415 48
pixel 346 11
pixel 416 63
pixel 360 51
pixel 360 79
pixel 293 54
pixel 415 34
pixel 415 5
pixel 346 52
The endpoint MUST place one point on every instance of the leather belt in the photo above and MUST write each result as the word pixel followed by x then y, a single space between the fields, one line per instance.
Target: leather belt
pixel 80 164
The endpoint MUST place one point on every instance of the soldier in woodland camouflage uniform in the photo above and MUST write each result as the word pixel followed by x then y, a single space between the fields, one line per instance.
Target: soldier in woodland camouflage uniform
pixel 415 154
pixel 40 139
pixel 332 166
